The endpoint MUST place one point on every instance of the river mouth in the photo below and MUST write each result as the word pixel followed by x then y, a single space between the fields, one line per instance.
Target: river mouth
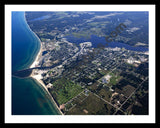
pixel 27 97
pixel 22 73
pixel 96 41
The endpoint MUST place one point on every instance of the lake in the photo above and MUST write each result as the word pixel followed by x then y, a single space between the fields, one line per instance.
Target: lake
pixel 96 40
pixel 28 96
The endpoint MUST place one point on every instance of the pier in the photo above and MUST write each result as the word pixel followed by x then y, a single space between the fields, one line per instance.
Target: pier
pixel 27 72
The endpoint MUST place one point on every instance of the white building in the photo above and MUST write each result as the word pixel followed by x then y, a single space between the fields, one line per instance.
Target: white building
pixel 106 79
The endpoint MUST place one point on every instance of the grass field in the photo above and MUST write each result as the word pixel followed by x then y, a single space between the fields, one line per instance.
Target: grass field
pixel 63 90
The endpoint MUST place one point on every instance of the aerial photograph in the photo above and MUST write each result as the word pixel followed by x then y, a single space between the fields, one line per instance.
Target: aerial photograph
pixel 80 63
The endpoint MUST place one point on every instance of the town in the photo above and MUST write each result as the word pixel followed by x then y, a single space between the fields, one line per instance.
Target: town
pixel 86 77
pixel 110 75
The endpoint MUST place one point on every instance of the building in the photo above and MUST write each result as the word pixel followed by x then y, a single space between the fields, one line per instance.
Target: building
pixel 106 79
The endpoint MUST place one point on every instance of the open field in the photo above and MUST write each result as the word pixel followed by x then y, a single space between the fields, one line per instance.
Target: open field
pixel 91 105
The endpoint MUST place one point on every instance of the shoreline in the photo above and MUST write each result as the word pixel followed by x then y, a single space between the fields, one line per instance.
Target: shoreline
pixel 38 79
pixel 40 51
pixel 36 61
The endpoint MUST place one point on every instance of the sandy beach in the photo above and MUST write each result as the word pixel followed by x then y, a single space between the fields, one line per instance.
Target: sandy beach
pixel 38 79
pixel 36 62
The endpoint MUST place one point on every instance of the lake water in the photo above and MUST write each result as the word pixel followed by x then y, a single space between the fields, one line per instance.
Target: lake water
pixel 96 40
pixel 28 97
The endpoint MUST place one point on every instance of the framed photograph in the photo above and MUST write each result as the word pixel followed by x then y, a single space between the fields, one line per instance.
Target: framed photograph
pixel 80 63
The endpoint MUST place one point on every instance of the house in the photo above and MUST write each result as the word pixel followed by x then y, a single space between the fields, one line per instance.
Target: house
pixel 130 60
pixel 49 85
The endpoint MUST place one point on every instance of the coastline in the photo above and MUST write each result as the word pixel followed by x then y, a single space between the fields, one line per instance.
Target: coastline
pixel 40 51
pixel 36 61
pixel 38 77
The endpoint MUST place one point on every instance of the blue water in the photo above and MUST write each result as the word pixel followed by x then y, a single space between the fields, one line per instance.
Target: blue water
pixel 28 97
pixel 101 40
